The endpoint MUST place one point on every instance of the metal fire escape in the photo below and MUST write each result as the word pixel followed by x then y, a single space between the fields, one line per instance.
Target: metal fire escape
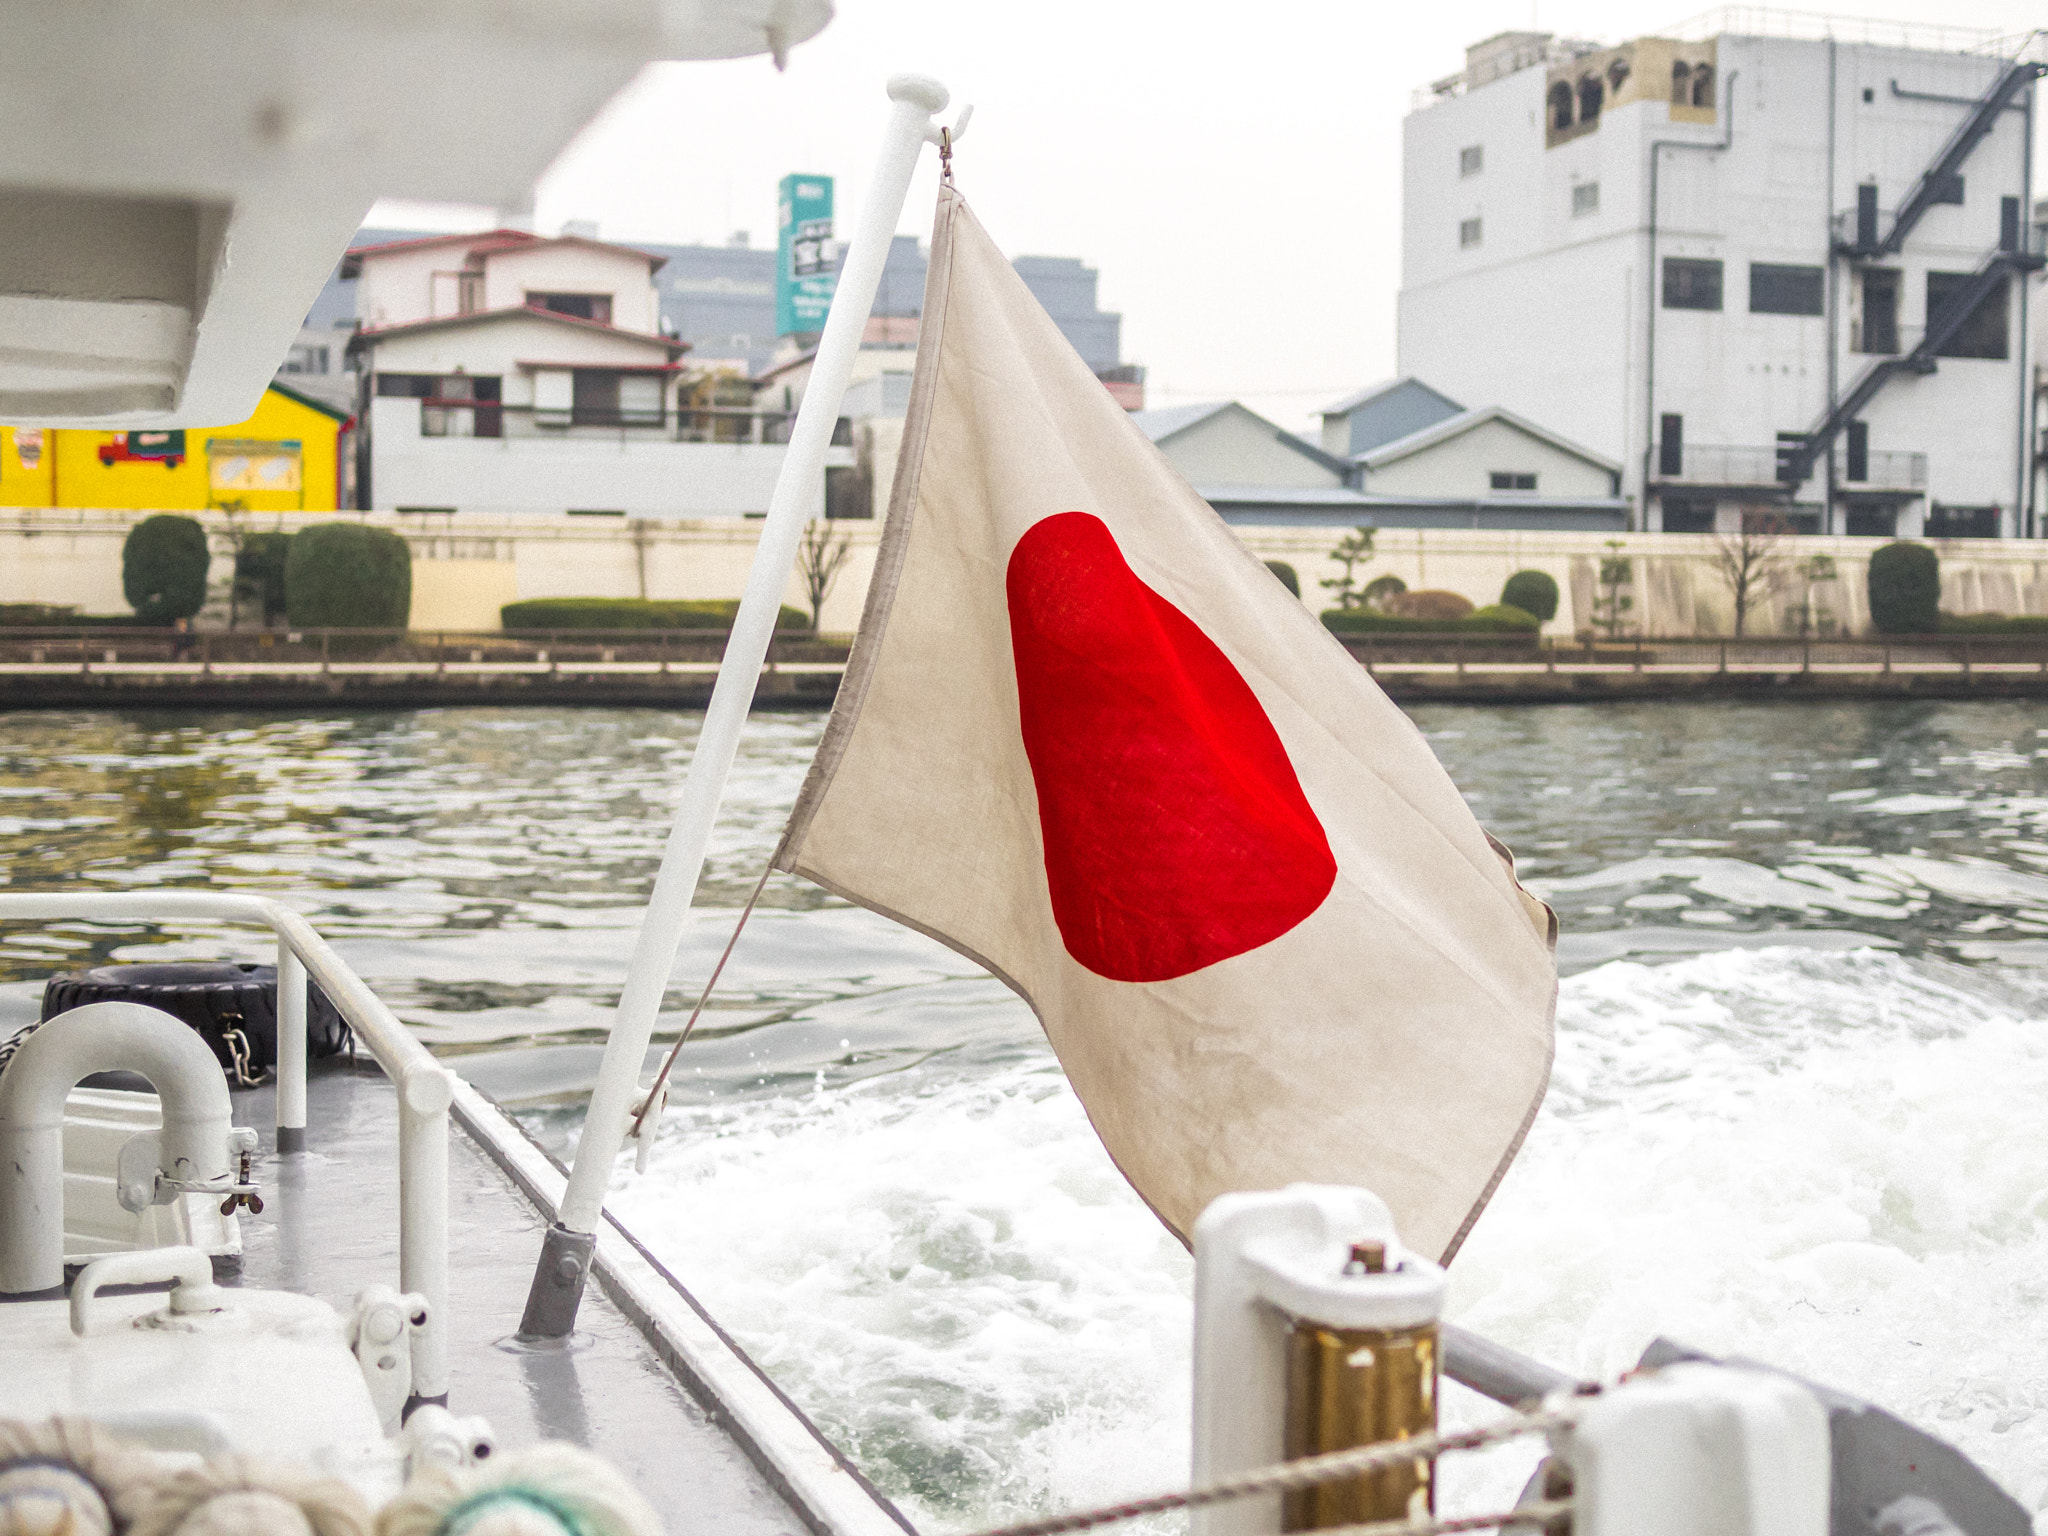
pixel 1936 185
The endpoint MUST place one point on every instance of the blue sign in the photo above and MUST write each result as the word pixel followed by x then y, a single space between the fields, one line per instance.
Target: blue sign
pixel 807 261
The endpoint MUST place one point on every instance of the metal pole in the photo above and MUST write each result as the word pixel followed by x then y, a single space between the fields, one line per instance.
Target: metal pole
pixel 424 1094
pixel 291 1050
pixel 558 1278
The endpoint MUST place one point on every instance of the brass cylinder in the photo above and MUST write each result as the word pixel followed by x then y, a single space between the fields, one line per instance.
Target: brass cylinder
pixel 1348 1387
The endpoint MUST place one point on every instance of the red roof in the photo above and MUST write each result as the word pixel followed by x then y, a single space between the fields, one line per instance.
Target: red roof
pixel 489 239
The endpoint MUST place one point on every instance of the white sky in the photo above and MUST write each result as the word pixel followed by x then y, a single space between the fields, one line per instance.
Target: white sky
pixel 1232 170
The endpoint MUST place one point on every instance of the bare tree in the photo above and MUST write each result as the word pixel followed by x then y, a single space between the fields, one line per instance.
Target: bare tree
pixel 822 555
pixel 1748 562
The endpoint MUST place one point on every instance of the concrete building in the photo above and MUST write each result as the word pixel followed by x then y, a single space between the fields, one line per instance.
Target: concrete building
pixel 1762 274
pixel 503 372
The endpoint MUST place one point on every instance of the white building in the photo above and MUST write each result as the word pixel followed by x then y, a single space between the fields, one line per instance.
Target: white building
pixel 505 372
pixel 1761 274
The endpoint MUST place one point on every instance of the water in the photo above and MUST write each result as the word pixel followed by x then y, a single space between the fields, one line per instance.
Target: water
pixel 1801 1056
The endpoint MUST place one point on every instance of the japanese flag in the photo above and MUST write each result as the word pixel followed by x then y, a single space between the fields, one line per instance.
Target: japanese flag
pixel 1087 740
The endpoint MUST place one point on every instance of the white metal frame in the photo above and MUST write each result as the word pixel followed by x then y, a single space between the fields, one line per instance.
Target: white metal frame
pixel 425 1087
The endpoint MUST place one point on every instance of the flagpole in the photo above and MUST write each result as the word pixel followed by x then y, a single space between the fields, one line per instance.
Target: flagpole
pixel 558 1279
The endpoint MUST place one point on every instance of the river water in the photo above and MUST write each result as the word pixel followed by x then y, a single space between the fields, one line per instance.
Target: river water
pixel 1801 1075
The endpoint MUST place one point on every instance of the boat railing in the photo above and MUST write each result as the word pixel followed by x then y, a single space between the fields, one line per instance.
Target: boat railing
pixel 425 1088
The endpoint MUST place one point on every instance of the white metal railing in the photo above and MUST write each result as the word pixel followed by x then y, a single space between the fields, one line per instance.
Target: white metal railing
pixel 425 1087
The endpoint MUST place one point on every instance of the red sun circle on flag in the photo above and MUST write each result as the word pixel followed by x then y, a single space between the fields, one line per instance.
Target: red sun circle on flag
pixel 1176 833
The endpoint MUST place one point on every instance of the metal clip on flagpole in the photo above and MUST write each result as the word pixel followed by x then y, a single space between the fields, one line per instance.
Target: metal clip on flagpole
pixel 558 1279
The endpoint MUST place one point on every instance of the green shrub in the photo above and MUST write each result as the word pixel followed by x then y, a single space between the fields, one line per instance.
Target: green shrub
pixel 633 613
pixel 1286 574
pixel 36 616
pixel 1380 589
pixel 1994 624
pixel 347 576
pixel 1496 620
pixel 1905 589
pixel 259 572
pixel 163 568
pixel 1532 592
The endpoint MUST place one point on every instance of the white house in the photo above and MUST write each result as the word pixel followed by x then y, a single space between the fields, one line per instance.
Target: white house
pixel 1758 273
pixel 507 372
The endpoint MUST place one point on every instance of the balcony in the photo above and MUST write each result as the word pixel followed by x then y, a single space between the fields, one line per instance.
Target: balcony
pixel 1730 467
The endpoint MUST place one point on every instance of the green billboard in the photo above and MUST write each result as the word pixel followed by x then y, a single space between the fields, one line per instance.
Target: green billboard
pixel 807 261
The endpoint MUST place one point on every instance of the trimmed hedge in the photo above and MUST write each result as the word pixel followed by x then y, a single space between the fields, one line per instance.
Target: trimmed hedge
pixel 163 568
pixel 259 571
pixel 39 616
pixel 1498 619
pixel 347 576
pixel 1994 624
pixel 633 613
pixel 1905 589
pixel 1285 572
pixel 1533 592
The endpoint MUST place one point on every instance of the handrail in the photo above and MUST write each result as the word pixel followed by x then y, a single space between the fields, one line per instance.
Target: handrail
pixel 425 1087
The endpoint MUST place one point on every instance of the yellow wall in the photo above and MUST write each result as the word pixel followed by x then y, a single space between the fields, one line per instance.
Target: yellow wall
pixel 69 472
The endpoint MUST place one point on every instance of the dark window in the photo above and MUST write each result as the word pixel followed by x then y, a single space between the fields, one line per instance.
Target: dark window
pixel 1779 290
pixel 448 411
pixel 408 386
pixel 1510 480
pixel 1866 215
pixel 579 306
pixel 1617 74
pixel 2008 225
pixel 1585 198
pixel 1858 455
pixel 1591 95
pixel 1560 106
pixel 1982 333
pixel 1949 189
pixel 594 401
pixel 1869 521
pixel 1472 160
pixel 1789 443
pixel 1688 514
pixel 1681 84
pixel 1468 233
pixel 1877 329
pixel 1703 85
pixel 1690 283
pixel 1671 445
pixel 1869 94
pixel 1962 522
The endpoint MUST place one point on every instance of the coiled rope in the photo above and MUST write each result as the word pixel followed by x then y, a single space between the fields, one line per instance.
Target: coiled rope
pixel 1333 1466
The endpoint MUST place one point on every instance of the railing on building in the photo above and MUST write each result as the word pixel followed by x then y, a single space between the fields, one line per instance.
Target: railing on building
pixel 1758 466
pixel 692 424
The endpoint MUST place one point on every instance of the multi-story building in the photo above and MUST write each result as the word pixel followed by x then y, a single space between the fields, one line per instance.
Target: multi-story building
pixel 505 372
pixel 1772 277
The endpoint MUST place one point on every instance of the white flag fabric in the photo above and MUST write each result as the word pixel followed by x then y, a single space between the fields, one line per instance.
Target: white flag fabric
pixel 1086 739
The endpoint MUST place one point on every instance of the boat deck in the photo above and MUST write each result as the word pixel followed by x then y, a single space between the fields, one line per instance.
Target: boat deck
pixel 328 1228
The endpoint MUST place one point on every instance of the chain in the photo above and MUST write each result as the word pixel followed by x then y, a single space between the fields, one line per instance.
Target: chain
pixel 238 1052
pixel 1309 1472
pixel 14 1042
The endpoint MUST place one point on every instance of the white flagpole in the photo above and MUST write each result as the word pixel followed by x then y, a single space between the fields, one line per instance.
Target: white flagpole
pixel 565 1258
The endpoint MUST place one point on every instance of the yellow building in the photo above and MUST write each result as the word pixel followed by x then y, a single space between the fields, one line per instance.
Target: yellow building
pixel 285 458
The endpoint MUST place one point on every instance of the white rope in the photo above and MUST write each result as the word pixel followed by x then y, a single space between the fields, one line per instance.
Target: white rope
pixel 1309 1472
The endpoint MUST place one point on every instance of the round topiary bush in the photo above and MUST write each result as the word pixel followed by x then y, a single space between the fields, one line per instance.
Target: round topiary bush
pixel 1905 590
pixel 347 576
pixel 1428 604
pixel 1533 592
pixel 1285 572
pixel 163 568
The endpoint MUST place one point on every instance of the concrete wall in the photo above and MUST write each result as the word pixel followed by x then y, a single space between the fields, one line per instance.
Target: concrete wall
pixel 1464 465
pixel 466 566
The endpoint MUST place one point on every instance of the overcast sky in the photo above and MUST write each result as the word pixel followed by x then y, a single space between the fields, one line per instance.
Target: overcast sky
pixel 1232 170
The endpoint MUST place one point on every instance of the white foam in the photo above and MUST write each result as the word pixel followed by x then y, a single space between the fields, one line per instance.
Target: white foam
pixel 1824 1160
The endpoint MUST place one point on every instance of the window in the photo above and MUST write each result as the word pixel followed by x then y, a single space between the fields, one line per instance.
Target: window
pixel 1789 443
pixel 1472 160
pixel 1468 233
pixel 1949 189
pixel 1560 100
pixel 447 412
pixel 1671 445
pixel 1777 290
pixel 1688 514
pixel 606 397
pixel 578 306
pixel 2008 223
pixel 1875 325
pixel 1511 480
pixel 1591 95
pixel 306 358
pixel 1982 332
pixel 1617 74
pixel 1585 198
pixel 1867 520
pixel 1703 85
pixel 1857 453
pixel 1869 96
pixel 1681 84
pixel 407 386
pixel 1962 522
pixel 1690 283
